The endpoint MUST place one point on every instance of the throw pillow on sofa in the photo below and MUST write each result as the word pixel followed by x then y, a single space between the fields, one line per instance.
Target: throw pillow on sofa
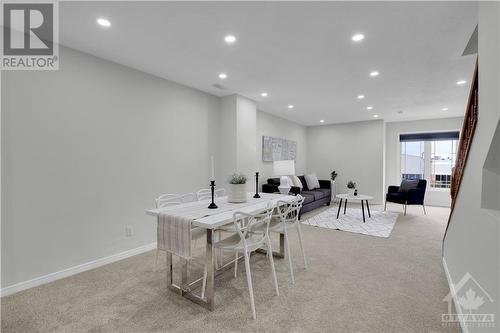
pixel 296 182
pixel 312 181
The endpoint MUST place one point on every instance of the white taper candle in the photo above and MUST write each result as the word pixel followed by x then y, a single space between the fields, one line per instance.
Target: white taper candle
pixel 212 165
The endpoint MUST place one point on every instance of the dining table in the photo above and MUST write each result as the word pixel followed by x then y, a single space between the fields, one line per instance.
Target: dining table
pixel 211 220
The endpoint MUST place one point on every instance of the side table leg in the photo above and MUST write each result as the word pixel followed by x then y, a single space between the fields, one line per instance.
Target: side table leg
pixel 345 204
pixel 368 207
pixel 340 206
pixel 363 210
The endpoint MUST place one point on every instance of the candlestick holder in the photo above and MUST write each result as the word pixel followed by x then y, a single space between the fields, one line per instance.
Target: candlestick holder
pixel 212 186
pixel 256 196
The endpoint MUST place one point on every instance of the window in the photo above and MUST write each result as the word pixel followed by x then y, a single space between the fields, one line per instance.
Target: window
pixel 443 156
pixel 429 156
pixel 412 160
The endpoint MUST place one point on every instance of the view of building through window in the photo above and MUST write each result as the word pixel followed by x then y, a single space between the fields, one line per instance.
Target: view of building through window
pixel 443 156
pixel 429 159
pixel 412 160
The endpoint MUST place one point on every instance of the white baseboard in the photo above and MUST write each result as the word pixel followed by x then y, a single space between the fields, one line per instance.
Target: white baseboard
pixel 454 296
pixel 9 290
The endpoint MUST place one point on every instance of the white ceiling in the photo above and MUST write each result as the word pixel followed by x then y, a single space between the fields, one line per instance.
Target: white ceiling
pixel 300 53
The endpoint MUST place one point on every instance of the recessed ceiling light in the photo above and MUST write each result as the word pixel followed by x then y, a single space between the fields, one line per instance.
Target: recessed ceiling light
pixel 375 116
pixel 230 39
pixel 103 22
pixel 400 111
pixel 358 37
pixel 461 82
pixel 444 109
pixel 361 96
pixel 222 76
pixel 291 106
pixel 374 73
pixel 321 121
pixel 369 107
pixel 263 94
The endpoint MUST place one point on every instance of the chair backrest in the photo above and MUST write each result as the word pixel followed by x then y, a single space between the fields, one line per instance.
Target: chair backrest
pixel 422 183
pixel 188 197
pixel 289 211
pixel 220 192
pixel 245 223
pixel 205 193
pixel 165 200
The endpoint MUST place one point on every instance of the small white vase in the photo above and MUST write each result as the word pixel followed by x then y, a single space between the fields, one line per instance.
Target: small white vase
pixel 350 191
pixel 237 193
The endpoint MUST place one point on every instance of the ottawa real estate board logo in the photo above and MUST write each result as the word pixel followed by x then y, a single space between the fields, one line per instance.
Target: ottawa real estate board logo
pixel 30 36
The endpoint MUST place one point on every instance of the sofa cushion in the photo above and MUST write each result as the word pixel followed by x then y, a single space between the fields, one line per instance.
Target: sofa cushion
pixel 308 198
pixel 273 181
pixel 326 191
pixel 316 194
pixel 304 184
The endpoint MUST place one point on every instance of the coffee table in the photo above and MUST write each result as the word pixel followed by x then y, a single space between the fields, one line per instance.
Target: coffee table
pixel 360 197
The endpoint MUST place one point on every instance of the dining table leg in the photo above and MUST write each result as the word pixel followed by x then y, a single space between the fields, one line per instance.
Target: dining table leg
pixel 169 270
pixel 210 288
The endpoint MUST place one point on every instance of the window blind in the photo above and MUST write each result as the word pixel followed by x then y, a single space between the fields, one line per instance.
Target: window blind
pixel 433 136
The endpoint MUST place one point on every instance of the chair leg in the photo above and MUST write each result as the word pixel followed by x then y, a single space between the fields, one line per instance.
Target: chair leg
pixel 405 210
pixel 385 205
pixel 423 206
pixel 289 255
pixel 204 283
pixel 271 261
pixel 249 281
pixel 235 264
pixel 299 231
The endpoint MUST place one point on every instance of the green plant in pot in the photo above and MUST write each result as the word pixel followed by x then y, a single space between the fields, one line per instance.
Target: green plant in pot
pixel 351 186
pixel 237 191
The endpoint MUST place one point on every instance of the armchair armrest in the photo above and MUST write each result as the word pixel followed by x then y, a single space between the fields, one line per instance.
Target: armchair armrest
pixel 325 184
pixel 393 189
pixel 416 196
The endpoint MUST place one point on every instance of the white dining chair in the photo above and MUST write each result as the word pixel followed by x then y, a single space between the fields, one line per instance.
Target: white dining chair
pixel 204 194
pixel 220 192
pixel 188 197
pixel 288 218
pixel 252 234
pixel 166 200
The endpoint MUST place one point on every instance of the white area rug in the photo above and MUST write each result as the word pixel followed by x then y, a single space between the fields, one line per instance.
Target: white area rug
pixel 380 224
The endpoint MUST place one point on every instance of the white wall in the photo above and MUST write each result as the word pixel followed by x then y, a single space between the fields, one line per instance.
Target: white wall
pixel 269 125
pixel 354 150
pixel 84 151
pixel 393 149
pixel 237 145
pixel 472 242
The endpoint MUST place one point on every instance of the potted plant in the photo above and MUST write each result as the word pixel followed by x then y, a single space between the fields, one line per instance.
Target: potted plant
pixel 333 175
pixel 351 186
pixel 237 191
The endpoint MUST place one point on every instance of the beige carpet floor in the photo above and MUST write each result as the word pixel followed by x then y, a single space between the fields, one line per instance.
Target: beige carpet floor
pixel 354 283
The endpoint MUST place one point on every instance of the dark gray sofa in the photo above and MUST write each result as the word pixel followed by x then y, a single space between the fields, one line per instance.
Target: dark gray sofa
pixel 312 198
